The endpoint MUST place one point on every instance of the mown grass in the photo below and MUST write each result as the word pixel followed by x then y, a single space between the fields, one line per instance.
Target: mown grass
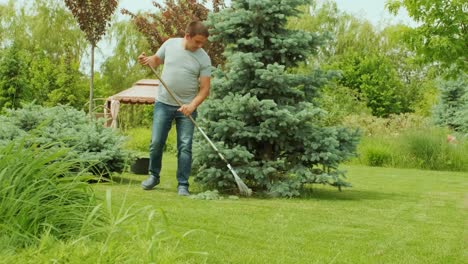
pixel 389 216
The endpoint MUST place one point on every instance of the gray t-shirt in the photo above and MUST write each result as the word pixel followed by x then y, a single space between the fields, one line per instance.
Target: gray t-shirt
pixel 182 68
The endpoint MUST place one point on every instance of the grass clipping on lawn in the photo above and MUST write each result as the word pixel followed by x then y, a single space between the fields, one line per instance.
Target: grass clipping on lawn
pixel 212 195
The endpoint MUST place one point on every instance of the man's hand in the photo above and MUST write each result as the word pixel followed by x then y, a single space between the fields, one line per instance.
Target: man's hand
pixel 186 109
pixel 143 59
pixel 153 61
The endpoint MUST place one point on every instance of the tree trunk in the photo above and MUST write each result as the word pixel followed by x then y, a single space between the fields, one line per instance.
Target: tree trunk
pixel 91 84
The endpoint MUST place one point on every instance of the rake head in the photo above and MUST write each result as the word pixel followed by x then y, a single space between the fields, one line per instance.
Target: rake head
pixel 243 189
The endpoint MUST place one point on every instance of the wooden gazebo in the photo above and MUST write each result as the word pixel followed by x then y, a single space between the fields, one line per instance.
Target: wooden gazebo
pixel 142 92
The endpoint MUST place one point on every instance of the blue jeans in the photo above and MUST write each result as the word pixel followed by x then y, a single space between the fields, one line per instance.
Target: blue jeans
pixel 163 115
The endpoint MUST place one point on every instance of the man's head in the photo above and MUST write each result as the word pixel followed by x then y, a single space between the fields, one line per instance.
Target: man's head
pixel 196 35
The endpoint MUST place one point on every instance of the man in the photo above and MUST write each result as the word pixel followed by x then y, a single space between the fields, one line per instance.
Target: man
pixel 187 71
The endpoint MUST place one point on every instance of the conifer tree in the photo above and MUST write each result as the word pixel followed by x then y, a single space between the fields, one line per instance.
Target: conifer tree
pixel 452 108
pixel 260 113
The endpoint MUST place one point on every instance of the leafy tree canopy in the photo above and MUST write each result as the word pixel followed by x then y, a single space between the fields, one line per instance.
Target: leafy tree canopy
pixel 442 35
pixel 93 16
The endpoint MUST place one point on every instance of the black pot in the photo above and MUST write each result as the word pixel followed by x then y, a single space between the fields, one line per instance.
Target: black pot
pixel 140 166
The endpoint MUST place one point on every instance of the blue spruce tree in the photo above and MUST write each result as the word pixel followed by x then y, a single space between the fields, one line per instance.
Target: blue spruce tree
pixel 452 109
pixel 261 114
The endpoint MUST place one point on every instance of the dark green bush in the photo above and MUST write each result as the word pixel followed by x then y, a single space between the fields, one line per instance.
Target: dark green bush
pixel 100 149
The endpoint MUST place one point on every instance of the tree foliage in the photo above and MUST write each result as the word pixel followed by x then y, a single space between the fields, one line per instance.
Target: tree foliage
pixel 30 24
pixel 442 35
pixel 48 64
pixel 375 65
pixel 70 85
pixel 92 16
pixel 13 77
pixel 260 114
pixel 376 80
pixel 53 16
pixel 171 20
pixel 121 70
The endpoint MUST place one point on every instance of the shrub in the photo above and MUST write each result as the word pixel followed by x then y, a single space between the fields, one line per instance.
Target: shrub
pixel 393 125
pixel 139 139
pixel 339 102
pixel 36 199
pixel 88 140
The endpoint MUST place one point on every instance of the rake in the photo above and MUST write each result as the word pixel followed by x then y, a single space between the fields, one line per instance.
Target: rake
pixel 243 189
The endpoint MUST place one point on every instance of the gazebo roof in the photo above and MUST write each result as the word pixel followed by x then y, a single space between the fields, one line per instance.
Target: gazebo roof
pixel 142 92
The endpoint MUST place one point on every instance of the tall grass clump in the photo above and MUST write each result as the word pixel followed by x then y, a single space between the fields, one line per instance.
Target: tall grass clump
pixel 430 150
pixel 419 149
pixel 130 235
pixel 376 152
pixel 40 196
pixel 408 141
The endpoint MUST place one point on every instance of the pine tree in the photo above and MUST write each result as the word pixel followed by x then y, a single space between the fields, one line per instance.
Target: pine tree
pixel 452 109
pixel 260 114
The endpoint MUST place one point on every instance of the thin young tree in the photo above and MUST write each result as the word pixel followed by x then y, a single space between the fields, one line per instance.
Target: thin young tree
pixel 93 16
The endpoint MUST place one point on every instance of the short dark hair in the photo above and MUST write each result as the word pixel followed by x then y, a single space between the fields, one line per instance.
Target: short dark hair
pixel 197 28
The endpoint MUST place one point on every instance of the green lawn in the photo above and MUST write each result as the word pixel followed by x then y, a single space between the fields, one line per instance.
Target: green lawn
pixel 389 216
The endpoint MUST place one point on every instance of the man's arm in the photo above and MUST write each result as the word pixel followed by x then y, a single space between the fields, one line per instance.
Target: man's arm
pixel 203 93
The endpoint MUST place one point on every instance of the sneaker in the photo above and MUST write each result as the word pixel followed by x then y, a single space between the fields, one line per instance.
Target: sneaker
pixel 183 191
pixel 149 183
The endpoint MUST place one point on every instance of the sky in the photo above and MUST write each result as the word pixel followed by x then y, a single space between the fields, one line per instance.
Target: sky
pixel 372 10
